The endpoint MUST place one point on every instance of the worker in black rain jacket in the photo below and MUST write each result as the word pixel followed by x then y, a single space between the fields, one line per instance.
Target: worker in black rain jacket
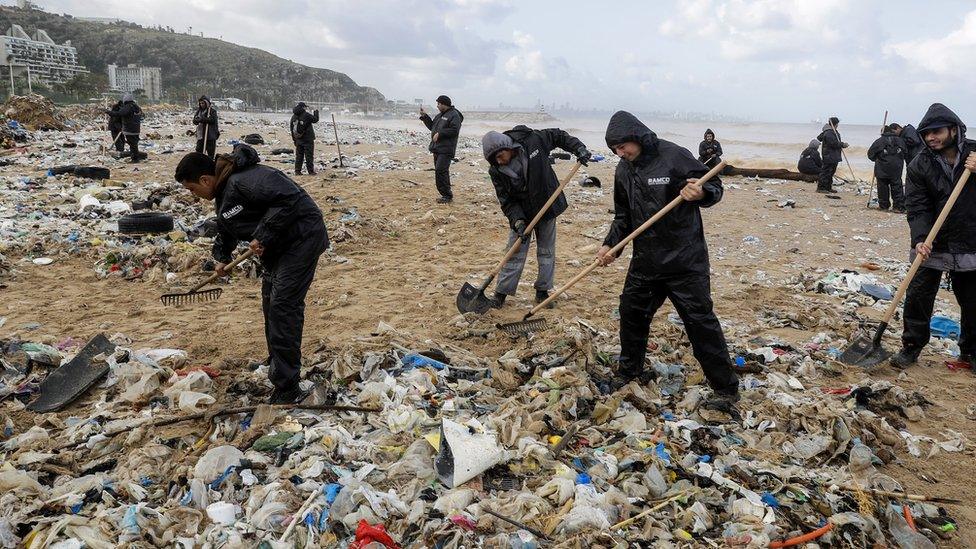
pixel 205 119
pixel 709 150
pixel 810 162
pixel 831 154
pixel 931 177
pixel 303 135
pixel 888 153
pixel 283 226
pixel 670 259
pixel 444 128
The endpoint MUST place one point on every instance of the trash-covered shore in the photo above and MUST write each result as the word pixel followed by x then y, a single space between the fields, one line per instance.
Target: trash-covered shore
pixel 431 429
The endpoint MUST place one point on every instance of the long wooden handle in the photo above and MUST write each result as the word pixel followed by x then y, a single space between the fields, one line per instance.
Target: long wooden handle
pixel 535 220
pixel 844 154
pixel 206 127
pixel 933 232
pixel 229 266
pixel 335 129
pixel 620 246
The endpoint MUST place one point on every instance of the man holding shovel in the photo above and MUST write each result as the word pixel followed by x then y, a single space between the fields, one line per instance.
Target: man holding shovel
pixel 524 181
pixel 261 205
pixel 832 146
pixel 931 178
pixel 670 259
pixel 207 131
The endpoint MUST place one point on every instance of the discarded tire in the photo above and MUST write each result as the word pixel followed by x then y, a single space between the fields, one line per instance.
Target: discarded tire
pixel 146 222
pixel 92 172
pixel 254 139
pixel 59 170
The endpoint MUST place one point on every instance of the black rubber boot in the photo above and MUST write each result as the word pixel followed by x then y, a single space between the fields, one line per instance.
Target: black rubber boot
pixel 498 300
pixel 905 358
pixel 542 295
pixel 293 395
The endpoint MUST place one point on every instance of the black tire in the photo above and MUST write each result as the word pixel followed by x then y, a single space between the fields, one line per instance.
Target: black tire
pixel 146 223
pixel 254 139
pixel 92 172
pixel 58 170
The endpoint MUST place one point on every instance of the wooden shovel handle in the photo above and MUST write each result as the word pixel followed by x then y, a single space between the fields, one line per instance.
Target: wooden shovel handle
pixel 535 220
pixel 933 232
pixel 620 246
pixel 213 278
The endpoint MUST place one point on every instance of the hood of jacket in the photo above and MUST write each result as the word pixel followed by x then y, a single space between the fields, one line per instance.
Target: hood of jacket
pixel 625 127
pixel 940 116
pixel 708 131
pixel 243 156
pixel 205 99
pixel 493 142
pixel 814 144
pixel 128 98
pixel 299 108
pixel 828 128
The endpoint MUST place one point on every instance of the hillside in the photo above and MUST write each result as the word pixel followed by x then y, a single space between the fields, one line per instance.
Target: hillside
pixel 194 64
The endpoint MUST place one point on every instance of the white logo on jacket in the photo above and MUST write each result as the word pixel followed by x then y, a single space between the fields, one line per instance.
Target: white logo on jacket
pixel 233 211
pixel 534 154
pixel 658 180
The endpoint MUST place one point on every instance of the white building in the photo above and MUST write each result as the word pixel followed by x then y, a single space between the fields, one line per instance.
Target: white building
pixel 131 78
pixel 228 103
pixel 39 56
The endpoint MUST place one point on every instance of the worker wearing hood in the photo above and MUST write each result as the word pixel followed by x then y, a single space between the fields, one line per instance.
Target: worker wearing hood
pixel 524 180
pixel 670 259
pixel 115 126
pixel 709 150
pixel 205 119
pixel 932 175
pixel 810 162
pixel 832 154
pixel 888 153
pixel 131 116
pixel 303 135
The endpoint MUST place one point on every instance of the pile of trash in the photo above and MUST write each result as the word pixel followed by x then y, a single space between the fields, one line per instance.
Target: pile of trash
pixel 404 443
pixel 34 112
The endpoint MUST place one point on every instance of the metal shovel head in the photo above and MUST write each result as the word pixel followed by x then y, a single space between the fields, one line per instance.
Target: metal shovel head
pixel 864 352
pixel 191 297
pixel 471 299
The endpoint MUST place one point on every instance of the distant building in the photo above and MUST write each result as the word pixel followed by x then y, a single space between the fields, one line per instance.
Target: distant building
pixel 132 78
pixel 39 56
pixel 102 20
pixel 229 103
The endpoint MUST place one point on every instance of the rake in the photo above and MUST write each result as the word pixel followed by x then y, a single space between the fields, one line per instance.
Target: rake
pixel 197 296
pixel 529 325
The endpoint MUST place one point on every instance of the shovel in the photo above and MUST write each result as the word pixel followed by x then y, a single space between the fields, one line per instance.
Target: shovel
pixel 195 295
pixel 866 351
pixel 471 299
pixel 529 324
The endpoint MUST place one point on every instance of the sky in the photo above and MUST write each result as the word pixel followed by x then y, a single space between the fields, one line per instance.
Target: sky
pixel 767 60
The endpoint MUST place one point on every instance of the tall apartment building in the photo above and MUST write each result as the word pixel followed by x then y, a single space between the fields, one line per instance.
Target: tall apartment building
pixel 39 56
pixel 131 78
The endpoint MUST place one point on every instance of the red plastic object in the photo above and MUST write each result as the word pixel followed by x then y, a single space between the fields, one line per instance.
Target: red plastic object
pixel 464 522
pixel 957 365
pixel 837 391
pixel 908 517
pixel 367 533
pixel 212 372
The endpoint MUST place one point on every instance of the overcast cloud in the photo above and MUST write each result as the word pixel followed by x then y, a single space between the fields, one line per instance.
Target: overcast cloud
pixel 777 60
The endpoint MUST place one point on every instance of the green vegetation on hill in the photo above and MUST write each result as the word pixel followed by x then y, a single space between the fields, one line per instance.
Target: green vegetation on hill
pixel 194 65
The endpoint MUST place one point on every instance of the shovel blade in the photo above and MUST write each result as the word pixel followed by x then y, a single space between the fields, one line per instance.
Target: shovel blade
pixel 471 299
pixel 864 352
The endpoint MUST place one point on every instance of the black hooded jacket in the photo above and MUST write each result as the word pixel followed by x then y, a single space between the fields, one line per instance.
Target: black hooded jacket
pixel 929 184
pixel 810 162
pixel 301 124
pixel 114 118
pixel 522 199
pixel 912 140
pixel 707 150
pixel 131 115
pixel 262 203
pixel 206 120
pixel 448 125
pixel 832 144
pixel 676 243
pixel 888 153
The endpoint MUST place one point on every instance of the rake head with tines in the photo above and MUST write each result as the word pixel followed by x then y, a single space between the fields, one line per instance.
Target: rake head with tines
pixel 526 326
pixel 195 295
pixel 191 297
